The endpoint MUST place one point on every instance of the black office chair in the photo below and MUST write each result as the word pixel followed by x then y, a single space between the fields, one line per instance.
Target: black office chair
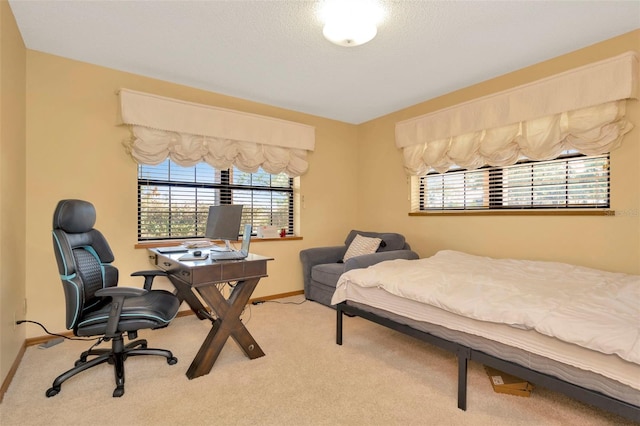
pixel 95 305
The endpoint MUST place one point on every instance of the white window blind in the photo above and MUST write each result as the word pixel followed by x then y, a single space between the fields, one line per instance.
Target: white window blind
pixel 188 133
pixel 583 109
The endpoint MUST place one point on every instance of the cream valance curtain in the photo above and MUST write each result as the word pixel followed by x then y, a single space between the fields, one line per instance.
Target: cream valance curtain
pixel 189 133
pixel 582 109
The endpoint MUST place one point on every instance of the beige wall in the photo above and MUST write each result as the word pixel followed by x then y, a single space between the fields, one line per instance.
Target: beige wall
pixel 12 188
pixel 74 150
pixel 611 243
pixel 355 179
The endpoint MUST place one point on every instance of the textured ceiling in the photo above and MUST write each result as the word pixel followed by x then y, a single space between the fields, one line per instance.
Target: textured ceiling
pixel 273 52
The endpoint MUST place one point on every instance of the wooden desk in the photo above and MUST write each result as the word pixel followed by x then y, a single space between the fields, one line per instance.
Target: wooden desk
pixel 203 276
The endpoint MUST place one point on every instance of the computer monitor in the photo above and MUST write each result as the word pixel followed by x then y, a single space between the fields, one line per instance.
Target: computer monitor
pixel 223 223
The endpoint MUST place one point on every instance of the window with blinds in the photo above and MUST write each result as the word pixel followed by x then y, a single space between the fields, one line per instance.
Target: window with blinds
pixel 173 201
pixel 570 181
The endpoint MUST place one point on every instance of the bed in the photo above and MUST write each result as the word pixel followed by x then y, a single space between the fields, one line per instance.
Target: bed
pixel 564 327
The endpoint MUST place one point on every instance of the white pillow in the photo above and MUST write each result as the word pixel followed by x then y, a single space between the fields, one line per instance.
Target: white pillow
pixel 361 245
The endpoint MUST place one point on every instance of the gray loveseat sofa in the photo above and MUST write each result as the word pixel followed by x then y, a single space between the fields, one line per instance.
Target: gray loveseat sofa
pixel 322 266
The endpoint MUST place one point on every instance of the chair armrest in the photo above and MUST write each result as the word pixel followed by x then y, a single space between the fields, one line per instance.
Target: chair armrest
pixel 149 276
pixel 121 292
pixel 367 260
pixel 317 256
pixel 118 294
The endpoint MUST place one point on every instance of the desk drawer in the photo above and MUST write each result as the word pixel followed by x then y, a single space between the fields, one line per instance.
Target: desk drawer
pixel 172 267
pixel 210 272
pixel 164 263
pixel 228 271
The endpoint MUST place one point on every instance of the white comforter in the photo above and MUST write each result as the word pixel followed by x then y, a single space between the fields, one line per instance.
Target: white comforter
pixel 595 309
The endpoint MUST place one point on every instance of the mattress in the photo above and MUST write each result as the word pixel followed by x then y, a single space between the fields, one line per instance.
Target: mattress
pixel 605 373
pixel 587 307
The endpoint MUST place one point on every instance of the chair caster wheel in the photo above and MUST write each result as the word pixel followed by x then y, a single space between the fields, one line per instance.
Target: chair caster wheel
pixel 173 360
pixel 118 392
pixel 52 391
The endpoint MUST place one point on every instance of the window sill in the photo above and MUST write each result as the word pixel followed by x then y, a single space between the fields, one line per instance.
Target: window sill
pixel 171 243
pixel 517 213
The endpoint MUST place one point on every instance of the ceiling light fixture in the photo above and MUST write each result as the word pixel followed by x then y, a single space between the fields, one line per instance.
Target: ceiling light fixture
pixel 350 22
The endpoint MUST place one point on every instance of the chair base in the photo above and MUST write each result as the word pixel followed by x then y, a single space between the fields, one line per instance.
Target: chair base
pixel 116 356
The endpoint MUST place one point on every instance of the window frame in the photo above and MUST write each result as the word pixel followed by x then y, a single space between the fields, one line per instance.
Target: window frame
pixel 495 190
pixel 226 189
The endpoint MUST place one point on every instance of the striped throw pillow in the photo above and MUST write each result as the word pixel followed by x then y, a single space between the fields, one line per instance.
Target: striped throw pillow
pixel 361 245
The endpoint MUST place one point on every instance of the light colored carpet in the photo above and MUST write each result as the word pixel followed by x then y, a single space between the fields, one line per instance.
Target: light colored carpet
pixel 377 377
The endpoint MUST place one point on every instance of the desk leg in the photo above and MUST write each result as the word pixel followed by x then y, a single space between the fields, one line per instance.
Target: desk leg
pixel 227 324
pixel 240 297
pixel 184 293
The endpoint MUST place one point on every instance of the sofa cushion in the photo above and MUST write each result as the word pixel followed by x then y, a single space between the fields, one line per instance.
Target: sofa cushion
pixel 328 273
pixel 390 240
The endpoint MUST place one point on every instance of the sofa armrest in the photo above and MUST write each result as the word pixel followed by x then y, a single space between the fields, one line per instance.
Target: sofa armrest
pixel 317 256
pixel 367 260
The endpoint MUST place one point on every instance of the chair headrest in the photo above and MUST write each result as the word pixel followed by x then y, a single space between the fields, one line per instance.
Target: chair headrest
pixel 74 216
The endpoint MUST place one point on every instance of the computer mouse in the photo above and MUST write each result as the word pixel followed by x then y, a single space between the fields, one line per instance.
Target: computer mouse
pixel 197 253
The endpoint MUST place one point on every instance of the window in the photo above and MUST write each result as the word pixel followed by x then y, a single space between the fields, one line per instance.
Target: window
pixel 571 181
pixel 173 201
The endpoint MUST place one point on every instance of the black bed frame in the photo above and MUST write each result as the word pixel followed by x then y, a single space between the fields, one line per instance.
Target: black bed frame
pixel 465 354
